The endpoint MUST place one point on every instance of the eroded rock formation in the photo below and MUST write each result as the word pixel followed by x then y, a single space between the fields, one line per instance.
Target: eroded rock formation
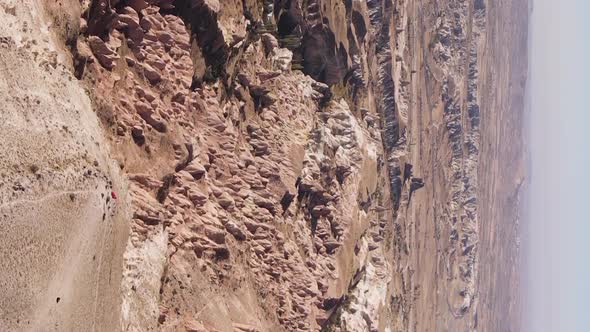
pixel 291 165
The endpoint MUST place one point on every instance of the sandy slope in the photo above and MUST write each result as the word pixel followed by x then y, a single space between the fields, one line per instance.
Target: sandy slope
pixel 62 235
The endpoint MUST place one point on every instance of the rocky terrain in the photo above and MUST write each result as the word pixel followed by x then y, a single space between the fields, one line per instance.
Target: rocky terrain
pixel 258 165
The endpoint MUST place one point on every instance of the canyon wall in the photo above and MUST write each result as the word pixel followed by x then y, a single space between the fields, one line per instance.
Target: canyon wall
pixel 287 165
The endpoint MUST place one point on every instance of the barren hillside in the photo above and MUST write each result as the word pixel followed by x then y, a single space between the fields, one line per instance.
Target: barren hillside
pixel 63 236
pixel 259 165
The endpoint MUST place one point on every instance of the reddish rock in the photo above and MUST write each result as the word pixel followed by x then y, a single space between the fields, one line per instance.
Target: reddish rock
pixel 195 169
pixel 106 56
pixel 215 234
pixel 151 74
pixel 197 197
pixel 270 42
pixel 226 201
pixel 235 230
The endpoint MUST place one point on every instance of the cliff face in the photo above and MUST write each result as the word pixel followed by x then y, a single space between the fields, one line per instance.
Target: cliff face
pixel 254 186
pixel 298 165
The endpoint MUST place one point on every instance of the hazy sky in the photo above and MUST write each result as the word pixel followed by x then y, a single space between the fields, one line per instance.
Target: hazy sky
pixel 560 191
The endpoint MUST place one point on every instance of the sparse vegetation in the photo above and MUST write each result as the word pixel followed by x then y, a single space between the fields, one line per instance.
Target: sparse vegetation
pixel 106 114
pixel 34 168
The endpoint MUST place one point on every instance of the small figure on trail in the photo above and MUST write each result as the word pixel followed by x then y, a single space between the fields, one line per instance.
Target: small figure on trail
pixel 113 195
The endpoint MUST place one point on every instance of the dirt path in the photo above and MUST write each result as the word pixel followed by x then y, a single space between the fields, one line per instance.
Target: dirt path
pixel 44 198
